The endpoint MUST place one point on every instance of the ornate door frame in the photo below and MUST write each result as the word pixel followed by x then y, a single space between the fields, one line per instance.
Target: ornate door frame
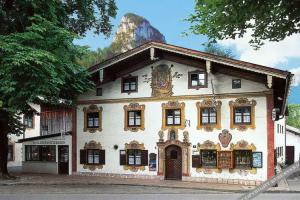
pixel 186 153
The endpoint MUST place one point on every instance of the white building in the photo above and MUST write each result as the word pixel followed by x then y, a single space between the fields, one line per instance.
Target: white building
pixel 162 111
pixel 292 145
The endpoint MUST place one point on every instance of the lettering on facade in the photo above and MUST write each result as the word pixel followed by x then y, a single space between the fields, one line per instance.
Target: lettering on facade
pixel 48 142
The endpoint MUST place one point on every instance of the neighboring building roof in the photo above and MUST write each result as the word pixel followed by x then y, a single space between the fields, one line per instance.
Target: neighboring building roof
pixel 293 130
pixel 42 137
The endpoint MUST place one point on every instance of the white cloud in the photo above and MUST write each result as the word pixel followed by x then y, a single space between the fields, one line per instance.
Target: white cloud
pixel 273 54
pixel 296 72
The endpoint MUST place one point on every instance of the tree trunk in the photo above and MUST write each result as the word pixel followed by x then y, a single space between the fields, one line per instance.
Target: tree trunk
pixel 4 129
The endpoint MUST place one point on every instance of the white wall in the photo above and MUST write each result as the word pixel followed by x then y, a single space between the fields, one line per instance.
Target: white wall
pixel 113 121
pixel 293 140
pixel 279 132
pixel 16 164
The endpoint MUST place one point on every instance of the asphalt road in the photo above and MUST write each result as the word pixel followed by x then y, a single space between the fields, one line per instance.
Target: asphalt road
pixel 116 192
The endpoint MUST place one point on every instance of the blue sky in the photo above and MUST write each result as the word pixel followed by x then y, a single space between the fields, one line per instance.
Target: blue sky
pixel 168 17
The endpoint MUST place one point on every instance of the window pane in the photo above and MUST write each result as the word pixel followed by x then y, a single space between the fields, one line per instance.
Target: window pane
pixel 131 160
pixel 201 76
pixel 96 156
pixel 90 157
pixel 96 122
pixel 209 158
pixel 138 122
pixel 131 122
pixel 177 112
pixel 126 86
pixel 212 119
pixel 91 122
pixel 204 120
pixel 170 120
pixel 177 120
pixel 133 86
pixel 247 119
pixel 131 114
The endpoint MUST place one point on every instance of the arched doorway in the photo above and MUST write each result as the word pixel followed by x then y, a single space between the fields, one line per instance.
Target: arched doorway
pixel 173 166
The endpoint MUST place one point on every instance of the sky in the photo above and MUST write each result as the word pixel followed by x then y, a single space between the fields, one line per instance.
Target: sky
pixel 168 17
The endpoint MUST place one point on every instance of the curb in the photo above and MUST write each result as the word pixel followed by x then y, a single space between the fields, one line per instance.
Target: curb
pixel 146 185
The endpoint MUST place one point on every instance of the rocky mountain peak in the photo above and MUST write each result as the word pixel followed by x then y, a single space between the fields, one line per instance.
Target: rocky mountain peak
pixel 133 31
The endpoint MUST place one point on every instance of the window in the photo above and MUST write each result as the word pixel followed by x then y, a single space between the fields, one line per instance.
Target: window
pixel 197 79
pixel 208 115
pixel 129 84
pixel 93 120
pixel 173 117
pixel 99 92
pixel 40 153
pixel 134 118
pixel 243 159
pixel 93 156
pixel 242 115
pixel 236 83
pixel 134 157
pixel 28 120
pixel 10 154
pixel 209 158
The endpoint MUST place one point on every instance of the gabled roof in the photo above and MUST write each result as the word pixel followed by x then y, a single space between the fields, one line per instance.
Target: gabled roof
pixel 293 130
pixel 139 57
pixel 192 53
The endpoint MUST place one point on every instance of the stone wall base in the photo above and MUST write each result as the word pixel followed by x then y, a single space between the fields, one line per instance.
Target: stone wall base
pixel 184 178
pixel 222 181
pixel 119 175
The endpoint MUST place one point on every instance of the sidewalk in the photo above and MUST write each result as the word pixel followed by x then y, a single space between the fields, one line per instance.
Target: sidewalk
pixel 45 179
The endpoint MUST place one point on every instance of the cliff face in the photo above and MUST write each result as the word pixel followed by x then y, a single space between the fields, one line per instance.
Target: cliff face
pixel 133 31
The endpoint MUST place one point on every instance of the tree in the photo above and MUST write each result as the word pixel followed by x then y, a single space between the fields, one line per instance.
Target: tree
pixel 294 115
pixel 271 20
pixel 38 60
pixel 218 50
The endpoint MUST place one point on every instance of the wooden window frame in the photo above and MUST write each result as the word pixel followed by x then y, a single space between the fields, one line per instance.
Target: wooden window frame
pixel 209 103
pixel 203 164
pixel 242 115
pixel 233 86
pixel 243 145
pixel 124 80
pixel 208 145
pixel 94 146
pixel 134 107
pixel 92 109
pixel 172 105
pixel 42 153
pixel 239 166
pixel 33 119
pixel 242 102
pixel 197 87
pixel 135 152
pixel 173 116
pixel 124 156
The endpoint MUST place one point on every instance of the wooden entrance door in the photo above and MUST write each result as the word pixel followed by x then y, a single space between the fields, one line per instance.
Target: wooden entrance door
pixel 289 155
pixel 63 159
pixel 173 164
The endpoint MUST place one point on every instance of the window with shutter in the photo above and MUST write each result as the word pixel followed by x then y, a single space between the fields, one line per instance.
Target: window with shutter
pixel 102 157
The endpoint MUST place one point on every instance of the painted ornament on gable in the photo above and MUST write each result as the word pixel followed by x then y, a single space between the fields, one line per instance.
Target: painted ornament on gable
pixel 161 81
pixel 225 138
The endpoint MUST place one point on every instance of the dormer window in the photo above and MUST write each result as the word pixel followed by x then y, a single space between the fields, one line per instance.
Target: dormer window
pixel 197 79
pixel 129 84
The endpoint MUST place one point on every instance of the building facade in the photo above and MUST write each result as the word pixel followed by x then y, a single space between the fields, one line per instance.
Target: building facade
pixel 292 145
pixel 162 111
